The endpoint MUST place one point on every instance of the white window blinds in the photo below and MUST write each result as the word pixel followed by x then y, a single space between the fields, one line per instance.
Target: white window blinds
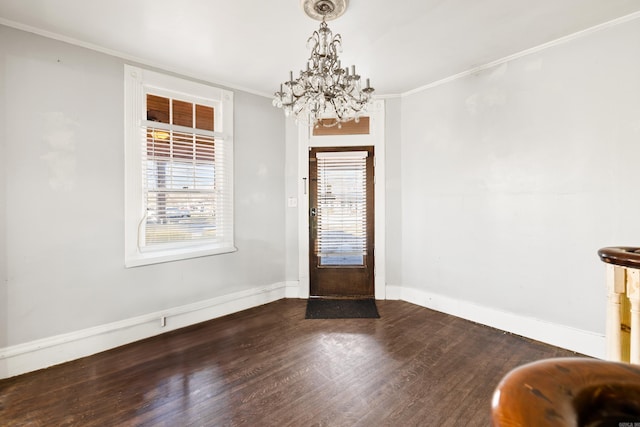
pixel 185 186
pixel 342 208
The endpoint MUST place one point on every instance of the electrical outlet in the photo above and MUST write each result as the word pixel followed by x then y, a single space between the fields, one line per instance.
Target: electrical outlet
pixel 163 321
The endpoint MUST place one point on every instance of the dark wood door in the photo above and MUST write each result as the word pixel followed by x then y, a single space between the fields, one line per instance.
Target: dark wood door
pixel 341 222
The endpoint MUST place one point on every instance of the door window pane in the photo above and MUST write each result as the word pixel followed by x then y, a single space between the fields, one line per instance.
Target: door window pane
pixel 341 210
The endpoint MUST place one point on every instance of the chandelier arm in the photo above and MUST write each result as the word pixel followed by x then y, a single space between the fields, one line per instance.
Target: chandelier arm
pixel 356 99
pixel 315 49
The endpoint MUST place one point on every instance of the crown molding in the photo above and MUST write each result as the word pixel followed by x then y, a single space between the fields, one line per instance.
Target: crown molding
pixel 127 57
pixel 474 70
pixel 526 52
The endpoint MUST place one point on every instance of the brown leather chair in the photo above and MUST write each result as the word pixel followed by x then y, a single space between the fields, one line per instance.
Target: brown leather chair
pixel 569 392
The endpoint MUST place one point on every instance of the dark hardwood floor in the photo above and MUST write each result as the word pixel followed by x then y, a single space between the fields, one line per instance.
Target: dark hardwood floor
pixel 268 366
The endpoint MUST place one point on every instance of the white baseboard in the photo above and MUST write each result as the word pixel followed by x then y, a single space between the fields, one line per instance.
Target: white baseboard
pixel 394 292
pixel 292 289
pixel 39 354
pixel 578 340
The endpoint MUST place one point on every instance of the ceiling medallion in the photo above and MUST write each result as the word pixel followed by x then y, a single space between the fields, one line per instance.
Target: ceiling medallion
pixel 324 89
pixel 326 10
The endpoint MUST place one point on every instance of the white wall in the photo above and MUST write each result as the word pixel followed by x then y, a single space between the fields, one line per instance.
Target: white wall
pixel 393 188
pixel 4 330
pixel 61 154
pixel 513 178
pixel 291 190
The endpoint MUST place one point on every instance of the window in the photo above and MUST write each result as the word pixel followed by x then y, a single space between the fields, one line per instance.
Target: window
pixel 178 168
pixel 342 207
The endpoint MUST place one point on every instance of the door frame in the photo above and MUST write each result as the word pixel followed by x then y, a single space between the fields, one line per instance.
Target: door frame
pixel 356 280
pixel 376 138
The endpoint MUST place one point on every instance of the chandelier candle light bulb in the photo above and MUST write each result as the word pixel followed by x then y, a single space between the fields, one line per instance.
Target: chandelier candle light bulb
pixel 324 89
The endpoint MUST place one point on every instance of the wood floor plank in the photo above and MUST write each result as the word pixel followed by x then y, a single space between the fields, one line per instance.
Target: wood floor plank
pixel 269 366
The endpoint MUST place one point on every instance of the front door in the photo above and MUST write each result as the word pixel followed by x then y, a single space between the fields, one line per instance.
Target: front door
pixel 341 222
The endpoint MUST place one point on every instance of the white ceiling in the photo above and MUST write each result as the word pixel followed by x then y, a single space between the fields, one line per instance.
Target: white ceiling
pixel 252 44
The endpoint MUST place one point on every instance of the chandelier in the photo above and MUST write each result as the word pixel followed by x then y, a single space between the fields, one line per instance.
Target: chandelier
pixel 325 89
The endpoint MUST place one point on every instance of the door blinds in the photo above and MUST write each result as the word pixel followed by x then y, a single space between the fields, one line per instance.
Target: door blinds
pixel 342 208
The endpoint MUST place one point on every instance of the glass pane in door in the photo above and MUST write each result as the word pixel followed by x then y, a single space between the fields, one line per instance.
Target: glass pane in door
pixel 341 208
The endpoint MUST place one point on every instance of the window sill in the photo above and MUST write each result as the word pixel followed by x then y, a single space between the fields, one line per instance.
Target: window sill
pixel 156 257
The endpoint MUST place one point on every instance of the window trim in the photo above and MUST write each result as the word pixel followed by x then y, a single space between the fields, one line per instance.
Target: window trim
pixel 137 82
